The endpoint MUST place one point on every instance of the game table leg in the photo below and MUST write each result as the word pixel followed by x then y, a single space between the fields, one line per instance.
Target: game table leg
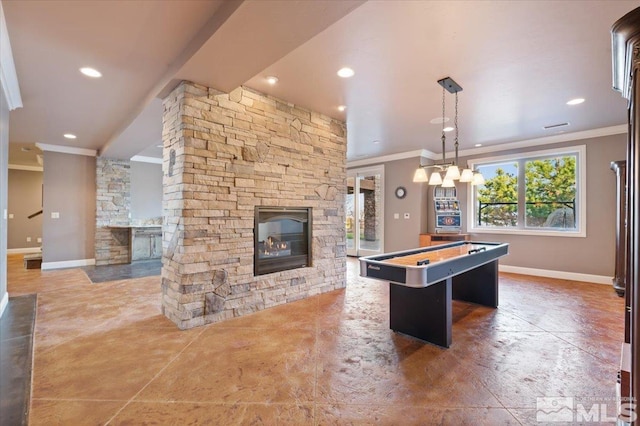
pixel 424 313
pixel 478 285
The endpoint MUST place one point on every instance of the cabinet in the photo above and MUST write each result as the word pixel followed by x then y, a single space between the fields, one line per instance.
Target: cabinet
pixel 427 240
pixel 620 274
pixel 146 243
pixel 626 74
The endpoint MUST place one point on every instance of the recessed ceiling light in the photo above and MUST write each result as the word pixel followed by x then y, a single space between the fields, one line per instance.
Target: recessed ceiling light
pixel 272 80
pixel 346 72
pixel 159 146
pixel 69 136
pixel 342 108
pixel 91 72
pixel 439 120
pixel 478 145
pixel 447 129
pixel 575 101
pixel 376 142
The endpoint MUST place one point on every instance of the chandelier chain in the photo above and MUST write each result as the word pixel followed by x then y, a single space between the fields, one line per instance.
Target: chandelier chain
pixel 443 137
pixel 455 124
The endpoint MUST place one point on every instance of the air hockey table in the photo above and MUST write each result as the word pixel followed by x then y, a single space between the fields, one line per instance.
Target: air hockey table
pixel 425 281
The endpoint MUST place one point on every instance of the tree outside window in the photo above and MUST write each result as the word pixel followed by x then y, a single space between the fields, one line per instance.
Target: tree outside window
pixel 535 192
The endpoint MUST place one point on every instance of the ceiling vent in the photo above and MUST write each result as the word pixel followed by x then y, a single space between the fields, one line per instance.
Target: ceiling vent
pixel 555 126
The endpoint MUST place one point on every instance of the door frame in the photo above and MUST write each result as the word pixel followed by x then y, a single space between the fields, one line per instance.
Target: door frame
pixel 360 172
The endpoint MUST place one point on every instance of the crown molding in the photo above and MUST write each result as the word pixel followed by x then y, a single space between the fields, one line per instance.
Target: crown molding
pixel 67 149
pixel 393 157
pixel 8 76
pixel 27 168
pixel 565 137
pixel 143 159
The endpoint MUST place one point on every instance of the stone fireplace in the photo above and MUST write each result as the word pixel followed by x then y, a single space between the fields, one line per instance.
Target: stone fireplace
pixel 224 155
pixel 282 239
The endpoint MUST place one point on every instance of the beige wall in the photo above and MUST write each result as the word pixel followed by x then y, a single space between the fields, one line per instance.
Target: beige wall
pixel 595 254
pixel 402 234
pixel 146 190
pixel 69 189
pixel 4 163
pixel 25 199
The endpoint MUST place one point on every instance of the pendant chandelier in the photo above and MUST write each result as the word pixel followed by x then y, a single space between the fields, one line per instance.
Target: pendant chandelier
pixel 450 169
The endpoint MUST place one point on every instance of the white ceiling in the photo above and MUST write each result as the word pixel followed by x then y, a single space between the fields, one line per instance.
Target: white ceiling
pixel 518 62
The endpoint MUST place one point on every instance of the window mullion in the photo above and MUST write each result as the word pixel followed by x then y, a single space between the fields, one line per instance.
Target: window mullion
pixel 521 194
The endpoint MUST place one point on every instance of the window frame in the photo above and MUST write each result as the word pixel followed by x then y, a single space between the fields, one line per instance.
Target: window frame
pixel 580 151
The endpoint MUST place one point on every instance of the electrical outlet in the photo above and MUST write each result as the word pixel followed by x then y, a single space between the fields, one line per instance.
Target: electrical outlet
pixel 28 239
pixel 10 215
pixel 55 215
pixel 39 239
pixel 407 216
pixel 396 215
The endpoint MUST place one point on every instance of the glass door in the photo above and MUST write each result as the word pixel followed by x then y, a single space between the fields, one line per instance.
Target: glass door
pixel 364 207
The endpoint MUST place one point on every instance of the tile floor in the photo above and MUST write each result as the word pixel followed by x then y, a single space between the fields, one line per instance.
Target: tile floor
pixel 104 354
pixel 16 348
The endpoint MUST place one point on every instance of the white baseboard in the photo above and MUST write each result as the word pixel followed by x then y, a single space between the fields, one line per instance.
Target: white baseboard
pixel 25 250
pixel 3 303
pixel 562 275
pixel 67 264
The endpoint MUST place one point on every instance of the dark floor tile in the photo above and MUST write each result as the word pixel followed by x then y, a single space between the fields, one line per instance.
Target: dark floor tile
pixel 137 269
pixel 16 352
pixel 18 318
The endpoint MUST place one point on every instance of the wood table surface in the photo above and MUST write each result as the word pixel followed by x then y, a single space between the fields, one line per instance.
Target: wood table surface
pixel 434 255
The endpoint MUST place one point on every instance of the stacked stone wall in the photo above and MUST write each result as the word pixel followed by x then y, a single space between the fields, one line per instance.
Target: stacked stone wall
pixel 113 204
pixel 224 154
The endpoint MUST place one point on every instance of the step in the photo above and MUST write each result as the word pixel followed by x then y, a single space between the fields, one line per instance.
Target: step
pixel 32 261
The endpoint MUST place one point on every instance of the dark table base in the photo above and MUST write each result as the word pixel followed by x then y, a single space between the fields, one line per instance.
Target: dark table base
pixel 425 313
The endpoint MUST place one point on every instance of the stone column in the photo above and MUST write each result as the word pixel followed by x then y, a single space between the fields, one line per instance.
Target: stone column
pixel 113 205
pixel 370 215
pixel 225 154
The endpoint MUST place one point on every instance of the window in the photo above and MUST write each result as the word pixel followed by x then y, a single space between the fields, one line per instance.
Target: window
pixel 535 193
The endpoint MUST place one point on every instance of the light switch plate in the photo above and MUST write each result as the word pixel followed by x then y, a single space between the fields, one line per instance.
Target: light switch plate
pixel 396 215
pixel 28 239
pixel 55 215
pixel 10 215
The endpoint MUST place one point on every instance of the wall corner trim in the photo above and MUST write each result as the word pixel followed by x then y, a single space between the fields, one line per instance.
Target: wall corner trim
pixel 143 159
pixel 26 168
pixel 67 149
pixel 3 303
pixel 561 275
pixel 67 264
pixel 8 77
pixel 24 250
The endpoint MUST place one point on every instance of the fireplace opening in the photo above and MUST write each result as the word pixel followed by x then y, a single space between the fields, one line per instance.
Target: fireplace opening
pixel 282 239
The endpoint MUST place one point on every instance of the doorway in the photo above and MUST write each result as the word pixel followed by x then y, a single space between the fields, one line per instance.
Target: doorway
pixel 364 211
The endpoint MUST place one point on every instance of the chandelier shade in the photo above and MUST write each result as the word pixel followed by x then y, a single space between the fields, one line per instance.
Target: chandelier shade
pixel 435 179
pixel 466 176
pixel 420 175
